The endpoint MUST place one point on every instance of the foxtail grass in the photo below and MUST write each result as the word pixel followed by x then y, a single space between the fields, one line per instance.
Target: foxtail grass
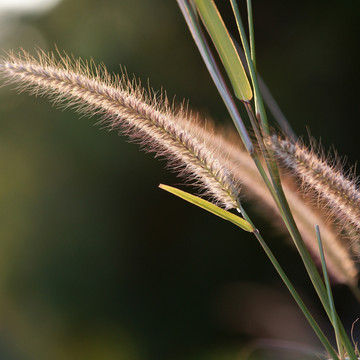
pixel 340 260
pixel 125 106
pixel 213 160
pixel 328 182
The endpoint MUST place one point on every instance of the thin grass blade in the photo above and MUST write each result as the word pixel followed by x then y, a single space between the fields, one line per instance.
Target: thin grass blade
pixel 225 48
pixel 192 20
pixel 208 206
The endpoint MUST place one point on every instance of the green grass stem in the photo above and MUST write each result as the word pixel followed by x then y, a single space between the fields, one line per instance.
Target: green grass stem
pixel 329 292
pixel 275 186
pixel 312 270
pixel 259 105
pixel 291 288
pixel 251 32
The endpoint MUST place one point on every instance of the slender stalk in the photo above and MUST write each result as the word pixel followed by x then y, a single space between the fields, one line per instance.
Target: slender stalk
pixel 312 271
pixel 331 299
pixel 279 197
pixel 254 124
pixel 251 32
pixel 283 206
pixel 281 200
pixel 291 288
pixel 310 266
pixel 260 108
pixel 277 191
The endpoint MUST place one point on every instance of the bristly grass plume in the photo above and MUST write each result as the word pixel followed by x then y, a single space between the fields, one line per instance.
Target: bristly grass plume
pixel 322 215
pixel 339 192
pixel 124 105
pixel 211 159
pixel 339 259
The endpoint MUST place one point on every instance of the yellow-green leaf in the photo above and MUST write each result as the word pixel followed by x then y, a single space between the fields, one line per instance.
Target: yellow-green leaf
pixel 209 207
pixel 225 48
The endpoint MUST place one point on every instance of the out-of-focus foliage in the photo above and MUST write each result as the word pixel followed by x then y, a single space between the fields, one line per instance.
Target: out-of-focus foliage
pixel 79 278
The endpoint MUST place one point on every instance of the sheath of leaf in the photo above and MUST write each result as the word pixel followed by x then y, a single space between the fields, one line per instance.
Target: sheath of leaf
pixel 124 105
pixel 339 258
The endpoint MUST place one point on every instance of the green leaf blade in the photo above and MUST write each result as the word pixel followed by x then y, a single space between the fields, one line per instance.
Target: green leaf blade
pixel 208 206
pixel 225 48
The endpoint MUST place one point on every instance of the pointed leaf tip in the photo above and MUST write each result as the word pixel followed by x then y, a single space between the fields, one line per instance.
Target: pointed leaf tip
pixel 206 205
pixel 225 47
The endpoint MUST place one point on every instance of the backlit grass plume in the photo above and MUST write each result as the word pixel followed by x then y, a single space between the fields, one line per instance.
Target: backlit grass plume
pixel 125 106
pixel 339 258
pixel 339 192
pixel 213 160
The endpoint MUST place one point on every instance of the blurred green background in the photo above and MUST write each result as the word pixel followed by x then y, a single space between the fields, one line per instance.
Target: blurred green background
pixel 95 261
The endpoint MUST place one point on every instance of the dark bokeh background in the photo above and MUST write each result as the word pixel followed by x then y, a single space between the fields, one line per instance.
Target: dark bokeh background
pixel 95 261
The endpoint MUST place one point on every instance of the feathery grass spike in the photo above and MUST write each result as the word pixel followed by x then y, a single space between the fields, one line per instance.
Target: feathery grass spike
pixel 339 258
pixel 339 192
pixel 243 224
pixel 225 48
pixel 198 151
pixel 124 105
